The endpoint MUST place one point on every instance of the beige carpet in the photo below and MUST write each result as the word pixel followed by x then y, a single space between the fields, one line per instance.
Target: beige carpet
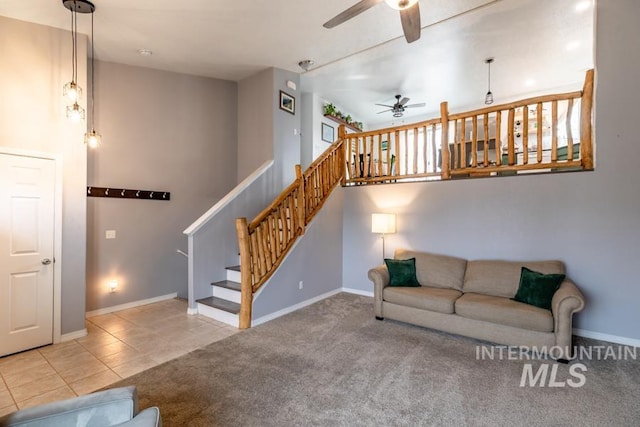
pixel 333 364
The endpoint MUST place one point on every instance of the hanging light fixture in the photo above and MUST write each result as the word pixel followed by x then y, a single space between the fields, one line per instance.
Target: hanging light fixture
pixel 72 91
pixel 488 99
pixel 92 138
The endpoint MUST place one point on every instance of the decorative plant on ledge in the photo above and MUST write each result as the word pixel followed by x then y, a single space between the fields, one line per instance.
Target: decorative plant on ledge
pixel 330 110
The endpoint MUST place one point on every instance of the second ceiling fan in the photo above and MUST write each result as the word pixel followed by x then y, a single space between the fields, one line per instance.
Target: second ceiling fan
pixel 409 15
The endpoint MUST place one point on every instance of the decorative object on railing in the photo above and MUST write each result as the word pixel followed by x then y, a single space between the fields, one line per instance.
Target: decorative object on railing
pixel 123 193
pixel 265 241
pixel 538 134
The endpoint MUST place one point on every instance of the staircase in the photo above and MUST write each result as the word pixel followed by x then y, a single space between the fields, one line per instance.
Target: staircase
pixel 224 303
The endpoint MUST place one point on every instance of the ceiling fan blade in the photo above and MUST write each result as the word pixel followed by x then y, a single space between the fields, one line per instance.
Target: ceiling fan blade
pixel 384 111
pixel 385 105
pixel 411 22
pixel 421 104
pixel 404 101
pixel 353 11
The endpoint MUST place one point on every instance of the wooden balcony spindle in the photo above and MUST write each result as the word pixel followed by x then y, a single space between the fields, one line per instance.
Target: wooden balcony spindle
pixel 511 146
pixel 445 170
pixel 586 129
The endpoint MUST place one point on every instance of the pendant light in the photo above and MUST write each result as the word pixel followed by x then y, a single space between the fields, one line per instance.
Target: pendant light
pixel 72 91
pixel 92 138
pixel 488 99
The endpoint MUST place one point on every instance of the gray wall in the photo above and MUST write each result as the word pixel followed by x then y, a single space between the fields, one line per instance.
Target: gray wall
pixel 161 131
pixel 34 65
pixel 316 260
pixel 265 131
pixel 590 220
pixel 255 122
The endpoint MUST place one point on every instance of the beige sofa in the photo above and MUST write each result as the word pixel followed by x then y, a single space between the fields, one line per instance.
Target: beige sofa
pixel 472 298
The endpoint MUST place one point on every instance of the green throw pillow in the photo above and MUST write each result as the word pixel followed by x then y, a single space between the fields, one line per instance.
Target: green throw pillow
pixel 537 288
pixel 402 272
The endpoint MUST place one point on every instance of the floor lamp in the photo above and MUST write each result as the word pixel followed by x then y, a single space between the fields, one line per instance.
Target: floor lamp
pixel 383 223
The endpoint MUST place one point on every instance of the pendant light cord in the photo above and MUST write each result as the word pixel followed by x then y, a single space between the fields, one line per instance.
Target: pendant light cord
pixel 489 79
pixel 93 80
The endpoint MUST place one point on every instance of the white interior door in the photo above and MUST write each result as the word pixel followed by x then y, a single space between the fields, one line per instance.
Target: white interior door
pixel 27 186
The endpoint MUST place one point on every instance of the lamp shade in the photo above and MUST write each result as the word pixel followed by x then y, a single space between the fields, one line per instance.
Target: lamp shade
pixel 384 223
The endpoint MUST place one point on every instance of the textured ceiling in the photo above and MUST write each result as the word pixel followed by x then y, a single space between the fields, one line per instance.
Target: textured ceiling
pixel 359 63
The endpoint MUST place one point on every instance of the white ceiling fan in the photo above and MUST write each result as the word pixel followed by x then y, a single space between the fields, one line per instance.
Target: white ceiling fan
pixel 400 105
pixel 409 15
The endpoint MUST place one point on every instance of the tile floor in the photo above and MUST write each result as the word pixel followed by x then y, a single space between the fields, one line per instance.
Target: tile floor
pixel 117 346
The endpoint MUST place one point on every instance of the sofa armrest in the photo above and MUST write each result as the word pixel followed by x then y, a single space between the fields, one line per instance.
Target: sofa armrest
pixel 567 300
pixel 380 278
pixel 107 408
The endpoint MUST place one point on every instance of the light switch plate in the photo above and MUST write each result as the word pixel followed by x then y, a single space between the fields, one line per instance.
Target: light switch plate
pixel 110 234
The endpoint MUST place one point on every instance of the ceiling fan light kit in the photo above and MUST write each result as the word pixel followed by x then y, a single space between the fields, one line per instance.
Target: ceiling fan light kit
pixel 306 64
pixel 400 4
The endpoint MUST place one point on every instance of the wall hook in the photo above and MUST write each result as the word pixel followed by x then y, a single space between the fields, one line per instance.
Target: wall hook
pixel 151 195
pixel 122 193
pixel 164 195
pixel 138 193
pixel 89 190
pixel 106 192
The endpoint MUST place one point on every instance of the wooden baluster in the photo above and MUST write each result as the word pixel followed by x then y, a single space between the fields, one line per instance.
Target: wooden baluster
pixel 406 152
pixel 263 247
pixel 554 131
pixel 255 254
pixel 456 146
pixel 359 166
pixel 286 203
pixel 474 142
pixel 569 131
pixel 415 151
pixel 463 143
pixel 498 143
pixel 511 146
pixel 379 155
pixel 485 145
pixel 540 130
pixel 434 157
pixel 246 288
pixel 301 210
pixel 586 130
pixel 388 154
pixel 397 153
pixel 445 171
pixel 425 151
pixel 525 134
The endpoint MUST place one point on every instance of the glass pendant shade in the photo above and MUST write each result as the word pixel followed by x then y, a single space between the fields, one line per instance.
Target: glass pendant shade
pixel 401 4
pixel 93 139
pixel 75 112
pixel 72 91
pixel 488 98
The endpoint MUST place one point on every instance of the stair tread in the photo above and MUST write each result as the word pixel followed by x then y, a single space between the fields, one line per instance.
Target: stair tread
pixel 228 284
pixel 221 304
pixel 233 268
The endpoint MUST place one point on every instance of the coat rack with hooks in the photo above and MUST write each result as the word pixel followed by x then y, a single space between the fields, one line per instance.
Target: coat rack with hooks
pixel 123 193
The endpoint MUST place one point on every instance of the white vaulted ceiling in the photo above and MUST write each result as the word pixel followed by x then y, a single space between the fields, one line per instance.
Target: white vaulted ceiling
pixel 543 43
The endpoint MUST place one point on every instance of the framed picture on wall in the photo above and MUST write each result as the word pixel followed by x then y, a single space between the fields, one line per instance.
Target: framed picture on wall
pixel 328 133
pixel 287 103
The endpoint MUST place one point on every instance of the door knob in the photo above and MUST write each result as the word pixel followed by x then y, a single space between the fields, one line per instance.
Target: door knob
pixel 46 261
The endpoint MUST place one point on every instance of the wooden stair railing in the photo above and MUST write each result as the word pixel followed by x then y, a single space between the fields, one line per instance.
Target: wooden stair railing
pixel 500 139
pixel 266 240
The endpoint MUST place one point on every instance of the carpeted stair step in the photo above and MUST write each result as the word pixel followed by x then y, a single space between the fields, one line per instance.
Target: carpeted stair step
pixel 220 304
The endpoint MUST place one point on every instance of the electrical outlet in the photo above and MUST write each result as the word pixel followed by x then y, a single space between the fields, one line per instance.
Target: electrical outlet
pixel 110 234
pixel 300 284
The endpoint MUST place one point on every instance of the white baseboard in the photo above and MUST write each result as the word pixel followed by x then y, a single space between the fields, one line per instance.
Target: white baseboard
pixel 73 335
pixel 358 292
pixel 606 337
pixel 293 308
pixel 133 304
pixel 192 311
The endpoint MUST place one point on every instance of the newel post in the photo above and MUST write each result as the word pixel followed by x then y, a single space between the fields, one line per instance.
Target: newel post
pixel 586 122
pixel 445 172
pixel 246 288
pixel 301 208
pixel 342 157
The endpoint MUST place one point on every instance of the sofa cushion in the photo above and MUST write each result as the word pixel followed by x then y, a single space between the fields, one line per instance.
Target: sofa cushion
pixel 501 278
pixel 437 271
pixel 423 297
pixel 402 272
pixel 504 311
pixel 537 288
